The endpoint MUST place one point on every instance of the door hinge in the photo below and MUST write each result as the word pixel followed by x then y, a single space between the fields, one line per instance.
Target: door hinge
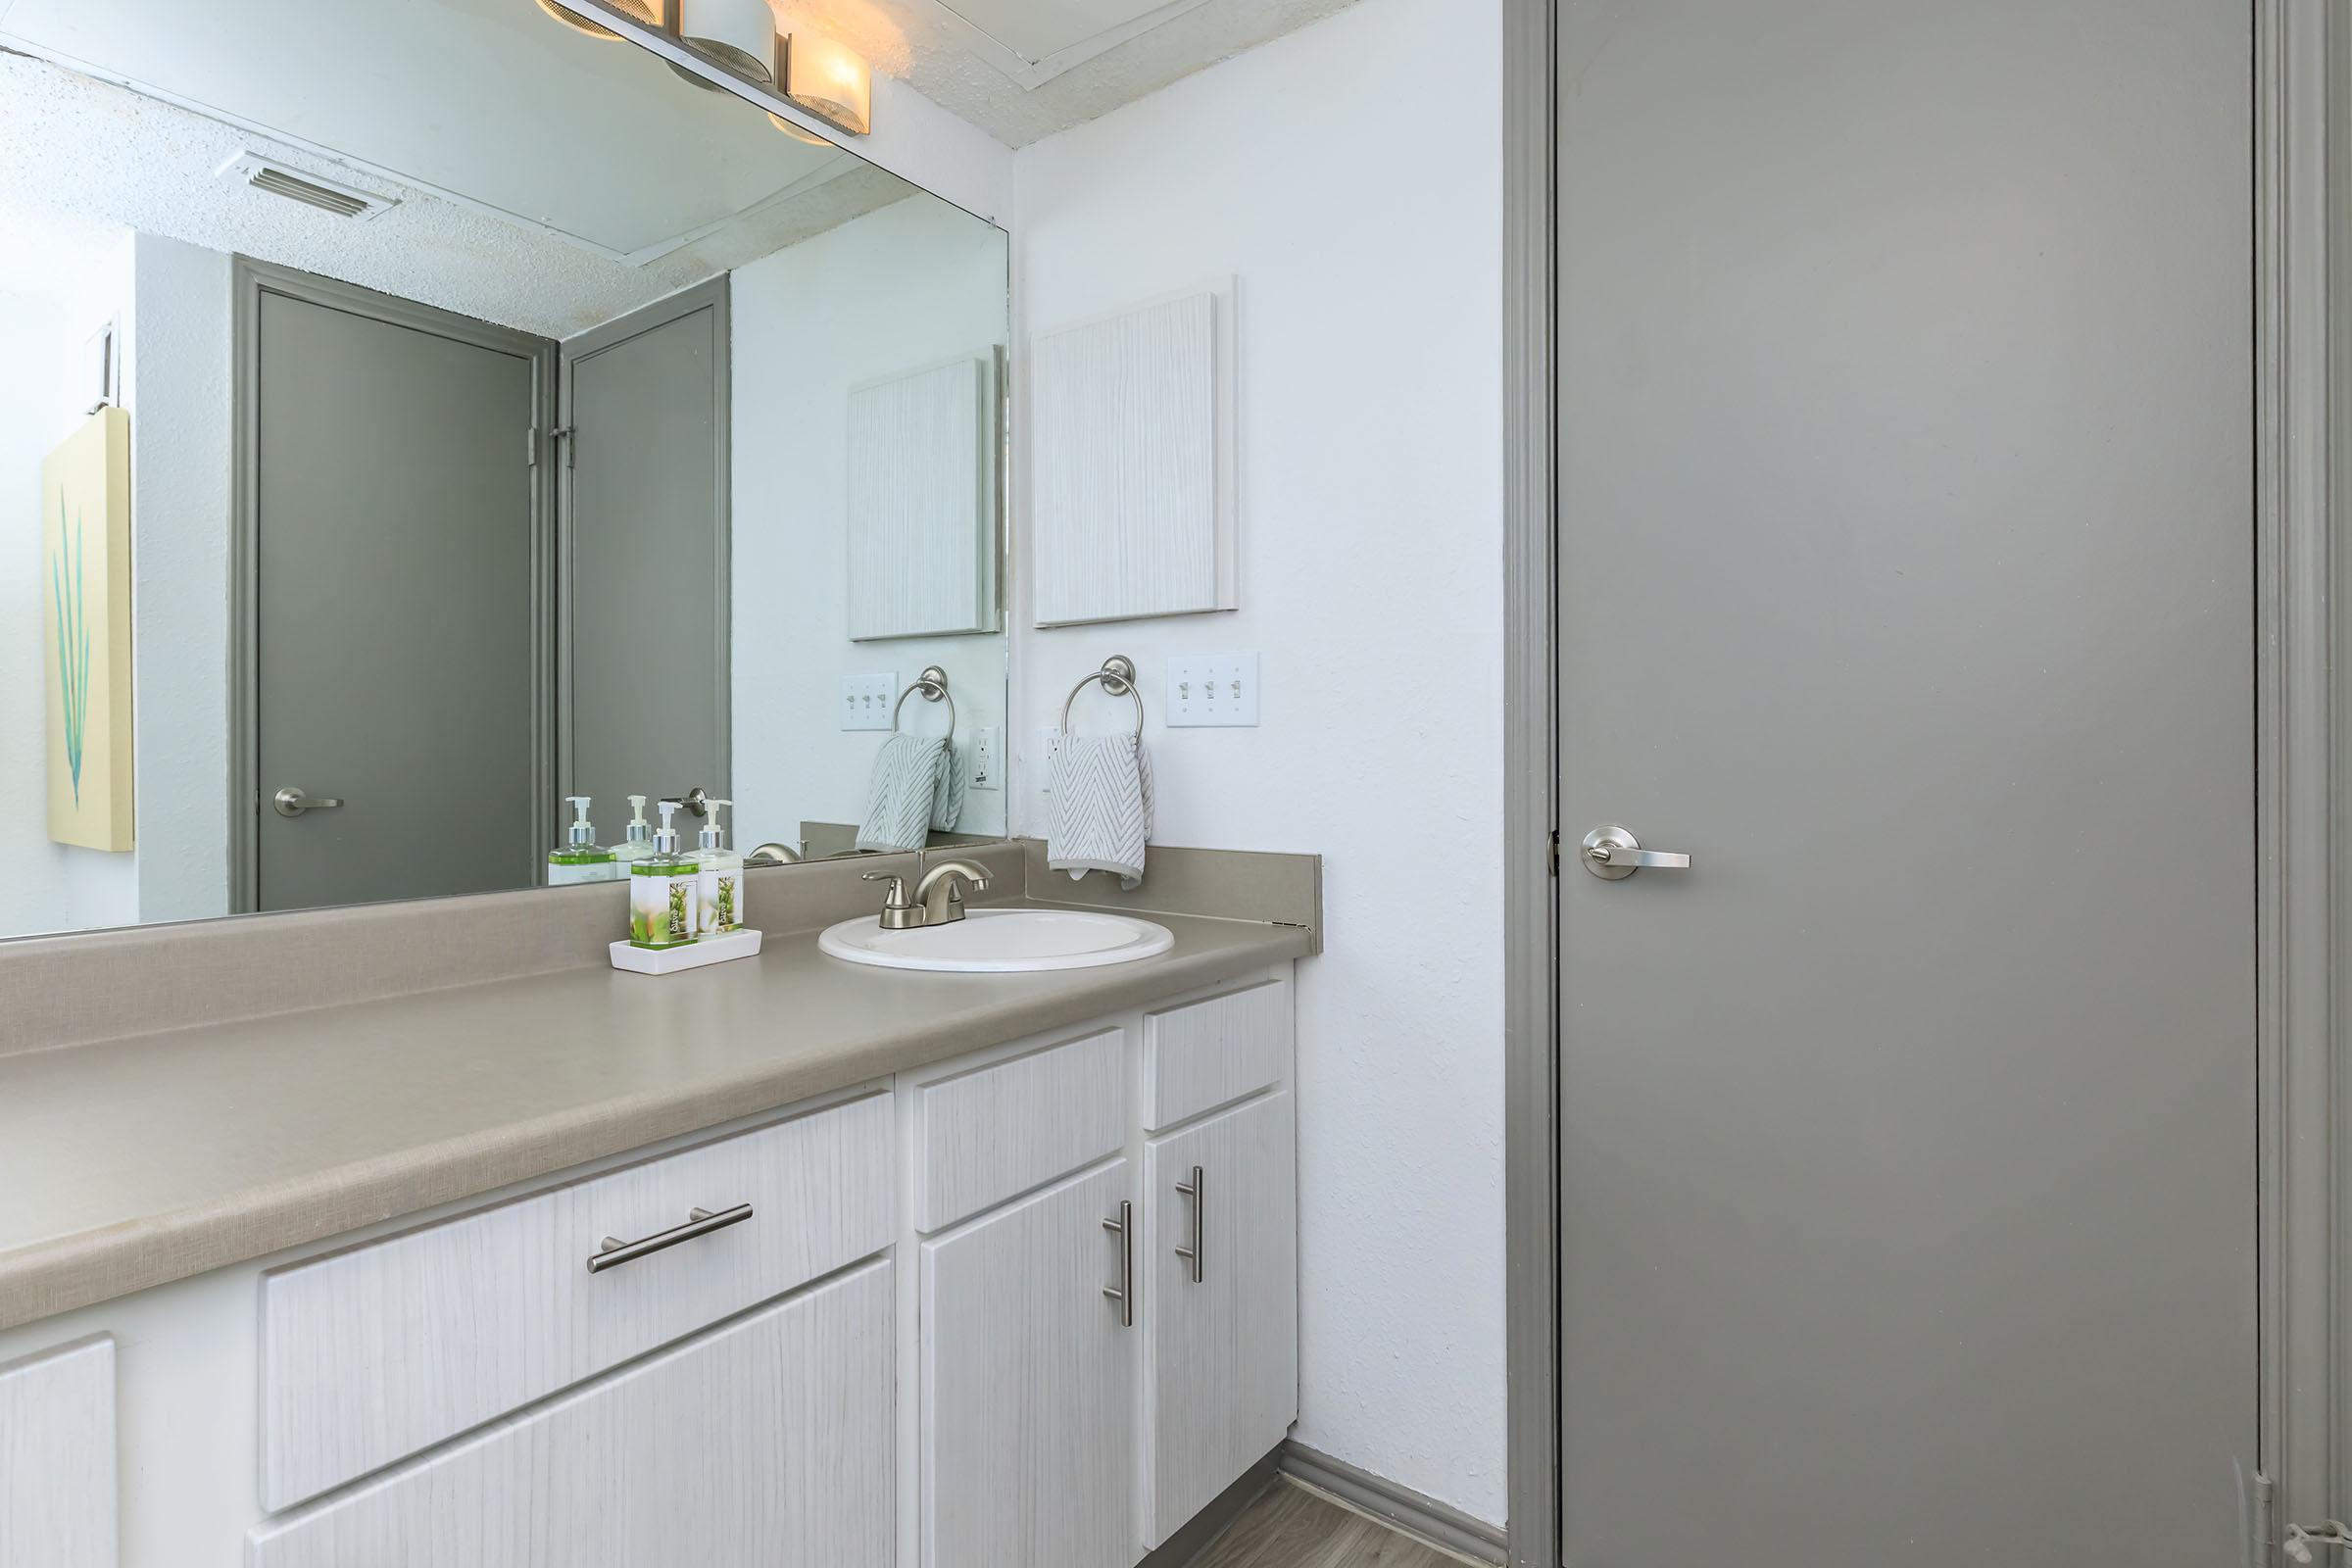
pixel 530 447
pixel 1555 851
pixel 569 436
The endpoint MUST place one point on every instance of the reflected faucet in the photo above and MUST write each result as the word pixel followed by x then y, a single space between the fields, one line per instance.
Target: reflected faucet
pixel 772 853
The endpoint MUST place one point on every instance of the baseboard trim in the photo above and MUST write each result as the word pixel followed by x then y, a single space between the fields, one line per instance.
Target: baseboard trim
pixel 1180 1549
pixel 1393 1504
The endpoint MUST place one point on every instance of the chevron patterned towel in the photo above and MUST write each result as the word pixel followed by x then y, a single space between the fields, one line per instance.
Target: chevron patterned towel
pixel 1101 806
pixel 919 785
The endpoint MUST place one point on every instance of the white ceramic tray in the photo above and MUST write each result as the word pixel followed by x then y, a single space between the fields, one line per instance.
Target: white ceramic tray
pixel 692 955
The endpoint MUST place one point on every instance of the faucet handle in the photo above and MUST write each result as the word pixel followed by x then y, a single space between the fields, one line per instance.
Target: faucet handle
pixel 895 896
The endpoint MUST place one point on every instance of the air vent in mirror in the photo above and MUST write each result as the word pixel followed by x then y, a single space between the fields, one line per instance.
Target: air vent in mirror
pixel 337 196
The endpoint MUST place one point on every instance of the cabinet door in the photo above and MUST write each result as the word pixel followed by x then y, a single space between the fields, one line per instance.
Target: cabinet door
pixel 1224 1353
pixel 57 1458
pixel 763 1442
pixel 1029 1385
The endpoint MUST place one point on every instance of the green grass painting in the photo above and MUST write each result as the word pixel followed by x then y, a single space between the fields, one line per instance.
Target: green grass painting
pixel 73 637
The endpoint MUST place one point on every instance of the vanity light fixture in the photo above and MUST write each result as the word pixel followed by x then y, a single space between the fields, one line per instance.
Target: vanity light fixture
pixel 739 34
pixel 638 9
pixel 829 80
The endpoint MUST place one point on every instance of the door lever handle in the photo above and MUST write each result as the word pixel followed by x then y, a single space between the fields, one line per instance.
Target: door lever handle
pixel 1613 853
pixel 291 802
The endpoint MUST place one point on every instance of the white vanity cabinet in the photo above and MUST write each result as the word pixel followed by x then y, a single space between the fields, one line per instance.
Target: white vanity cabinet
pixel 1084 1390
pixel 957 1323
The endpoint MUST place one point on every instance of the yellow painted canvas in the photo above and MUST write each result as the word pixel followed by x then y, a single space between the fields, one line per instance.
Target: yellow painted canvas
pixel 85 596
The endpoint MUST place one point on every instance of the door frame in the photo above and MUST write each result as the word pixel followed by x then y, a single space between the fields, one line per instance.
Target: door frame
pixel 250 279
pixel 713 294
pixel 2302 96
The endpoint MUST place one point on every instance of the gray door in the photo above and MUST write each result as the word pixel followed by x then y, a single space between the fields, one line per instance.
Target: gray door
pixel 645 533
pixel 396 622
pixel 1907 1138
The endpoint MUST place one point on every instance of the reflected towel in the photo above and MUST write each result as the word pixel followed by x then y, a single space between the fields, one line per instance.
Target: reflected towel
pixel 919 785
pixel 1101 806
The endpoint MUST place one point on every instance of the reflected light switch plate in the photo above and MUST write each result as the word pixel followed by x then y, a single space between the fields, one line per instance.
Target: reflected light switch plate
pixel 1212 689
pixel 866 699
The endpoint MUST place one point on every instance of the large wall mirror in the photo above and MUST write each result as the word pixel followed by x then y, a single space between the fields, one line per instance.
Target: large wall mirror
pixel 414 417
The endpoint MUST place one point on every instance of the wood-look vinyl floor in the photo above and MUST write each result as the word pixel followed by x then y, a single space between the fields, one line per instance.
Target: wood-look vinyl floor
pixel 1290 1527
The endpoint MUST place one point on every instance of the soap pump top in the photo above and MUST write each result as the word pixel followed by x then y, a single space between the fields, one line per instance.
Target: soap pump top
pixel 713 836
pixel 665 837
pixel 640 842
pixel 583 832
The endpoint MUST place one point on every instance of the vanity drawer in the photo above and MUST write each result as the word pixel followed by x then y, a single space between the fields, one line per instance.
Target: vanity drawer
pixel 998 1131
pixel 1209 1053
pixel 371 1354
pixel 766 1442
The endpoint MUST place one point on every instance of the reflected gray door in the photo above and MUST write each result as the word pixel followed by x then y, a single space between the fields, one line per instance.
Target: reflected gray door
pixel 645 534
pixel 1907 1138
pixel 398 618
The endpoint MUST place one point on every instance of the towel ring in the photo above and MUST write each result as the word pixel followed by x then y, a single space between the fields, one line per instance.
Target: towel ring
pixel 1117 676
pixel 933 684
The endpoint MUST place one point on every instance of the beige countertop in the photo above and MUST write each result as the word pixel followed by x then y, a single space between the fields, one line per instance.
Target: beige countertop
pixel 129 1163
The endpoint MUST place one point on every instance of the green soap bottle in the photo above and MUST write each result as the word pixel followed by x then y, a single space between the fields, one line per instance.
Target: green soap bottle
pixel 663 886
pixel 578 859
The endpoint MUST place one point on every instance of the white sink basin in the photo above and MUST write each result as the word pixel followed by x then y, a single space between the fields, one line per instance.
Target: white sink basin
pixel 1001 942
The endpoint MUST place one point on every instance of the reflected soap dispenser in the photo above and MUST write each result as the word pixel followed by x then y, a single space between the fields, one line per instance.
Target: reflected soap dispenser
pixel 719 879
pixel 663 889
pixel 578 859
pixel 640 842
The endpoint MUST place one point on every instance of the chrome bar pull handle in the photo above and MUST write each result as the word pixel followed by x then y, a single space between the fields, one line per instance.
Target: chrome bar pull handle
pixel 1198 1190
pixel 1613 853
pixel 291 802
pixel 613 1251
pixel 1123 1292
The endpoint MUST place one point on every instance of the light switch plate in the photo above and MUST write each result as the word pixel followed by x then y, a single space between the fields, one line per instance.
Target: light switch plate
pixel 988 758
pixel 866 699
pixel 1212 689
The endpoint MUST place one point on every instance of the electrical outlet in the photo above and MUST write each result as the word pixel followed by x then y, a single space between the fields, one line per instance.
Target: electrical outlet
pixel 1212 689
pixel 1049 753
pixel 866 699
pixel 988 758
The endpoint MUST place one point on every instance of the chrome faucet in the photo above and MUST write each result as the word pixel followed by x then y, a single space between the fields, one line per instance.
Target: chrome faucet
pixel 775 853
pixel 938 897
pixel 941 891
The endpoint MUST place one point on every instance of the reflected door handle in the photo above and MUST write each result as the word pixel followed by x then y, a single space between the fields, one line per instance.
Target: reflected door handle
pixel 1612 854
pixel 291 802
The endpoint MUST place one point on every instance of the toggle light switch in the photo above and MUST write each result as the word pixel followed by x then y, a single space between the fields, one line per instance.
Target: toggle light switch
pixel 1212 689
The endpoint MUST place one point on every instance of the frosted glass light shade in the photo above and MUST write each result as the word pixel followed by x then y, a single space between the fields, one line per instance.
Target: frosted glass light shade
pixel 829 80
pixel 580 23
pixel 739 34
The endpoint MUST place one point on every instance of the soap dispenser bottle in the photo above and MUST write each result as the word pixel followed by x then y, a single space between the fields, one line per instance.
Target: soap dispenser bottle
pixel 661 891
pixel 640 842
pixel 719 891
pixel 578 859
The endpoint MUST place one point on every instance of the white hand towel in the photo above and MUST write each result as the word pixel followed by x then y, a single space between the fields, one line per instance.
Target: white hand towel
pixel 1101 806
pixel 917 787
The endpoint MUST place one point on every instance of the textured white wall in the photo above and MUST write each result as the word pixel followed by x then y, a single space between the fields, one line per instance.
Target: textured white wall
pixel 43 324
pixel 1349 174
pixel 179 364
pixel 892 291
